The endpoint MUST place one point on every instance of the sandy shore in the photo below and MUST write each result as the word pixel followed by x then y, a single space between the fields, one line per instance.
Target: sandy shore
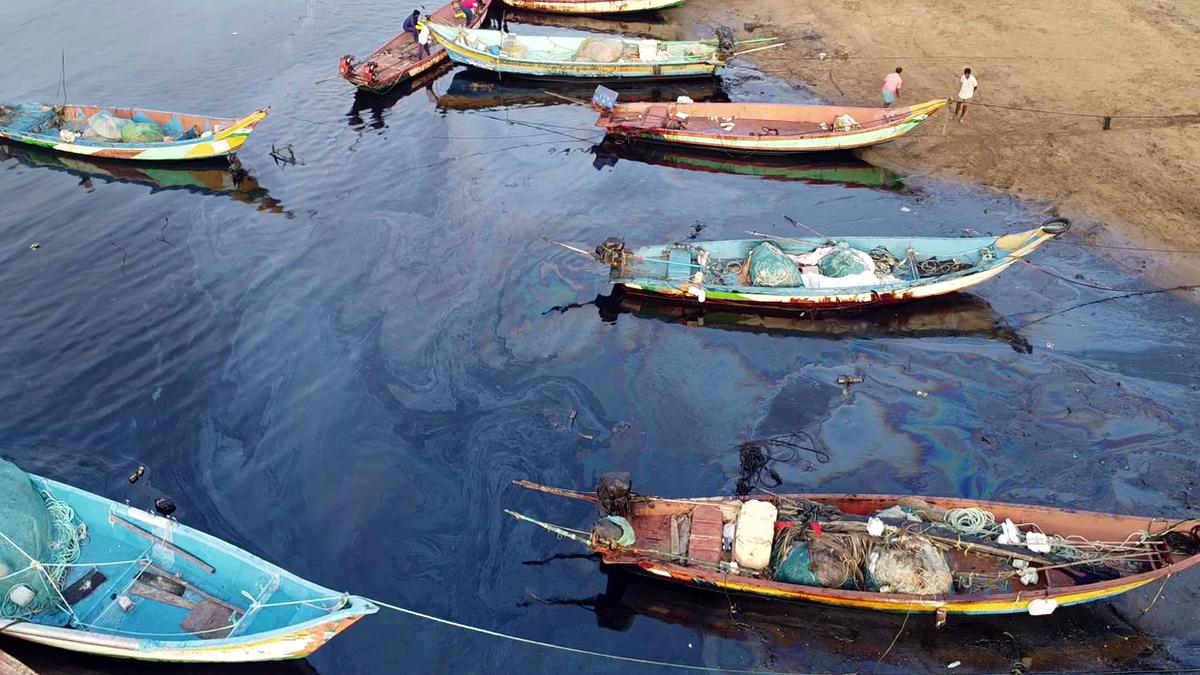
pixel 1134 185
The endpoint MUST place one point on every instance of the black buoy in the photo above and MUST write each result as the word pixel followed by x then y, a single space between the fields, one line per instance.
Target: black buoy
pixel 164 506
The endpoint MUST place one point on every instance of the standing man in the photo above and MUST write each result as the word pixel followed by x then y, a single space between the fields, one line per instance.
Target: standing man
pixel 967 84
pixel 891 87
pixel 410 24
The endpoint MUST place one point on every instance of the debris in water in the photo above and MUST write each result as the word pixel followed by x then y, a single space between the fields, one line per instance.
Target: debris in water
pixel 905 209
pixel 954 665
pixel 922 394
pixel 571 420
pixel 284 156
pixel 34 246
pixel 587 437
pixel 137 475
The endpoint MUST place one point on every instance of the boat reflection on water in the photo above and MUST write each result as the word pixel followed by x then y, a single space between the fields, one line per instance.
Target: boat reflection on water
pixel 479 90
pixel 216 177
pixel 369 108
pixel 959 315
pixel 842 168
pixel 797 636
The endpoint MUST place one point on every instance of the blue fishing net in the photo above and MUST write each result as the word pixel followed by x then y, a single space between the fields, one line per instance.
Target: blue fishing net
pixel 32 528
pixel 841 262
pixel 771 267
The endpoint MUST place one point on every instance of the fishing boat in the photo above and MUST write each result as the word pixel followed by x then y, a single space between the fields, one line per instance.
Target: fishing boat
pixel 758 127
pixel 128 583
pixel 125 133
pixel 402 57
pixel 935 555
pixel 819 273
pixel 208 178
pixel 813 169
pixel 592 6
pixel 607 57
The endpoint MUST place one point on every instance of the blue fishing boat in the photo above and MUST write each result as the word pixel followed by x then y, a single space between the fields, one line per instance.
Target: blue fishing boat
pixel 84 573
pixel 817 273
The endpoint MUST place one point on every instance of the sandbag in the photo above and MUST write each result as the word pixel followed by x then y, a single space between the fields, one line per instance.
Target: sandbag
pixel 754 534
pixel 599 50
pixel 141 132
pixel 106 126
pixel 914 566
pixel 771 267
pixel 843 261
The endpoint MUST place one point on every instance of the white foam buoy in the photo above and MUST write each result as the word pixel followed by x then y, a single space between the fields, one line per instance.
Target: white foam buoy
pixel 21 595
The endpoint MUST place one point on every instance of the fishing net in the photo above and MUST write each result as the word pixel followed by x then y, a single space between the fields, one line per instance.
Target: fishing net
pixel 914 566
pixel 599 50
pixel 33 527
pixel 827 561
pixel 842 261
pixel 105 126
pixel 138 132
pixel 770 267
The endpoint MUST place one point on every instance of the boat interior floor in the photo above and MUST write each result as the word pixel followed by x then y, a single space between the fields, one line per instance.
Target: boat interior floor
pixel 661 117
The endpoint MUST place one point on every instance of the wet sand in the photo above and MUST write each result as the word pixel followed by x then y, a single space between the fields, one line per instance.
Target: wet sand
pixel 1134 185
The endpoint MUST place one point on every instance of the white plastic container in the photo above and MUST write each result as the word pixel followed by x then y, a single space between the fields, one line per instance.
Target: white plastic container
pixel 754 535
pixel 648 50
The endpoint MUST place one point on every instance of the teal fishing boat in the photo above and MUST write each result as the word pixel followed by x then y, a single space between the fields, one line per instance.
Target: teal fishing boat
pixel 84 573
pixel 600 57
pixel 781 273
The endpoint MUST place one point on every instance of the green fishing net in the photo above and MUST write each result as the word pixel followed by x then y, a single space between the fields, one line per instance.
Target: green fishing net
pixel 32 528
pixel 771 267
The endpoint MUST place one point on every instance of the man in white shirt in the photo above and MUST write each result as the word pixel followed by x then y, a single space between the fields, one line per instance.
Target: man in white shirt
pixel 967 84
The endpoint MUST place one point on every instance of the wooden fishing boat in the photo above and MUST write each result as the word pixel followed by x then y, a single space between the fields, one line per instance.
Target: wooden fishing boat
pixel 402 57
pixel 758 127
pixel 592 6
pixel 1054 558
pixel 208 178
pixel 149 588
pixel 890 270
pixel 813 169
pixel 607 57
pixel 68 129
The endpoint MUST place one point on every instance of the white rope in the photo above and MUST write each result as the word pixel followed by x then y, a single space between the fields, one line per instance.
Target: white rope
pixel 572 650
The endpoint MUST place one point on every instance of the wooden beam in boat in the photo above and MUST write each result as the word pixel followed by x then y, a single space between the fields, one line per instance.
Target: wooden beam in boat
pixel 114 518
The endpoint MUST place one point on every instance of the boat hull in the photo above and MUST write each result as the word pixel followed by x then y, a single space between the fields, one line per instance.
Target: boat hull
pixel 569 70
pixel 296 644
pixel 592 6
pixel 650 516
pixel 800 142
pixel 223 143
pixel 247 609
pixel 684 291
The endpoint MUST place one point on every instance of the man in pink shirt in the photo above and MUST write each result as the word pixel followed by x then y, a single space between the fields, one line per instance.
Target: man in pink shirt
pixel 891 87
